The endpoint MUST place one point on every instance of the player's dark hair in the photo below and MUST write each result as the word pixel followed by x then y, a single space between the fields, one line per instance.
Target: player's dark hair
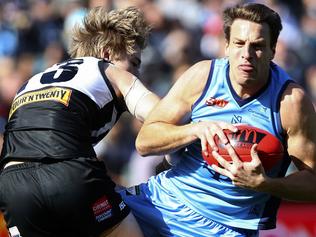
pixel 254 12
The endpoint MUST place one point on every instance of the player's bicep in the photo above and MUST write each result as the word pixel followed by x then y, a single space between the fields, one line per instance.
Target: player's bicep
pixel 302 151
pixel 300 127
pixel 302 141
pixel 171 109
pixel 175 107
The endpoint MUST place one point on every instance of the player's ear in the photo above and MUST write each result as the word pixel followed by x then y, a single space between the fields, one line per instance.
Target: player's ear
pixel 272 53
pixel 106 54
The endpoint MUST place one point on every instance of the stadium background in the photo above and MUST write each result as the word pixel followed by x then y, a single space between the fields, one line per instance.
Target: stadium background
pixel 34 34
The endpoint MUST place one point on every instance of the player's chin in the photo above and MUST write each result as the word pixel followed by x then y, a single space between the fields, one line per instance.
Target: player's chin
pixel 246 81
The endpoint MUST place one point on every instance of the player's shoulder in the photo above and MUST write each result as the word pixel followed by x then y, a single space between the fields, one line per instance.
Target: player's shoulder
pixel 294 94
pixel 202 66
pixel 295 107
pixel 197 72
pixel 191 83
pixel 81 60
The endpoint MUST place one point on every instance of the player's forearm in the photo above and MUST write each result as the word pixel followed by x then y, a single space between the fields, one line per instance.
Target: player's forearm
pixel 161 138
pixel 299 186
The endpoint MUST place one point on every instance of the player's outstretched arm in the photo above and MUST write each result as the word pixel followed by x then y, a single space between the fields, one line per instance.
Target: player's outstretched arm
pixel 165 130
pixel 138 99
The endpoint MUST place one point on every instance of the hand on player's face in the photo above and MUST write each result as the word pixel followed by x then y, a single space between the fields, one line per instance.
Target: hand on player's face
pixel 206 132
pixel 249 175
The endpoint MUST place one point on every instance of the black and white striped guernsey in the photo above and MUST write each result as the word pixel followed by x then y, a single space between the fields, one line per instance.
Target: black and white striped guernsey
pixel 62 112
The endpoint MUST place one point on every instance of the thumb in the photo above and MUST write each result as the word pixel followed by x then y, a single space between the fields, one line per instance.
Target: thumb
pixel 254 155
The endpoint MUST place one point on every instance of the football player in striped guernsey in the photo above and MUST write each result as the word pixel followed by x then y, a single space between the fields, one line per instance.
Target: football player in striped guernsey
pixel 51 183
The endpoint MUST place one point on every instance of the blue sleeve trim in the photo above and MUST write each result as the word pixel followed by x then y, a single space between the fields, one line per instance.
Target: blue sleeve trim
pixel 276 122
pixel 209 80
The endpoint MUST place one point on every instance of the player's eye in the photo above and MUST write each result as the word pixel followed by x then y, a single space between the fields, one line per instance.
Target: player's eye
pixel 258 45
pixel 135 64
pixel 238 43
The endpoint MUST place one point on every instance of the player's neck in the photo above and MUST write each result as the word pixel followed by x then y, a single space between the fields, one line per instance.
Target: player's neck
pixel 248 88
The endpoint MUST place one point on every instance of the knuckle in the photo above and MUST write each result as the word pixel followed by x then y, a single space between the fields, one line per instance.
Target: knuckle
pixel 234 172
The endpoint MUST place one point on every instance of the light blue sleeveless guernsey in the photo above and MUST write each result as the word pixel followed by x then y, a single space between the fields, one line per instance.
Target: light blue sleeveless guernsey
pixel 201 189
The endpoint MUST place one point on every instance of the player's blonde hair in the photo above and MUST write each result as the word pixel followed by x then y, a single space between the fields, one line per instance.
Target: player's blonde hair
pixel 117 31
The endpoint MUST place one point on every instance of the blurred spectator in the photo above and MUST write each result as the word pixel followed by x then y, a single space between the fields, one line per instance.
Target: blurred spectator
pixel 212 42
pixel 10 81
pixel 37 24
pixel 289 59
pixel 53 53
pixel 186 11
pixel 8 35
pixel 46 21
pixel 138 169
pixel 291 32
pixel 73 13
pixel 95 3
pixel 308 26
pixel 155 71
pixel 124 3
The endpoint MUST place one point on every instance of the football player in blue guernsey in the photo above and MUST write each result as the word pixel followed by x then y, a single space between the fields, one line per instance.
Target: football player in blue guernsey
pixel 51 183
pixel 236 199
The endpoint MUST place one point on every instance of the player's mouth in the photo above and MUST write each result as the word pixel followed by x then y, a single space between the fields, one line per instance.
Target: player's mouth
pixel 246 68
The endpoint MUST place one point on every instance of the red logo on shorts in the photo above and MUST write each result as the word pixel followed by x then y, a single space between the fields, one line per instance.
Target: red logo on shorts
pixel 102 209
pixel 218 102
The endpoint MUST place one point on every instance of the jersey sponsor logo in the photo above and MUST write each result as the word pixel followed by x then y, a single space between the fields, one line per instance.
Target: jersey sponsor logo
pixel 102 209
pixel 217 102
pixel 122 205
pixel 259 114
pixel 61 95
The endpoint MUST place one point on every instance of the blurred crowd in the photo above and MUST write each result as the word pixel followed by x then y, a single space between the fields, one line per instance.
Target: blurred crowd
pixel 34 34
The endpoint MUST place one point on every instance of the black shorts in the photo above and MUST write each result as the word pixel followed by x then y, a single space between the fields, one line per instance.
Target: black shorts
pixel 71 198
